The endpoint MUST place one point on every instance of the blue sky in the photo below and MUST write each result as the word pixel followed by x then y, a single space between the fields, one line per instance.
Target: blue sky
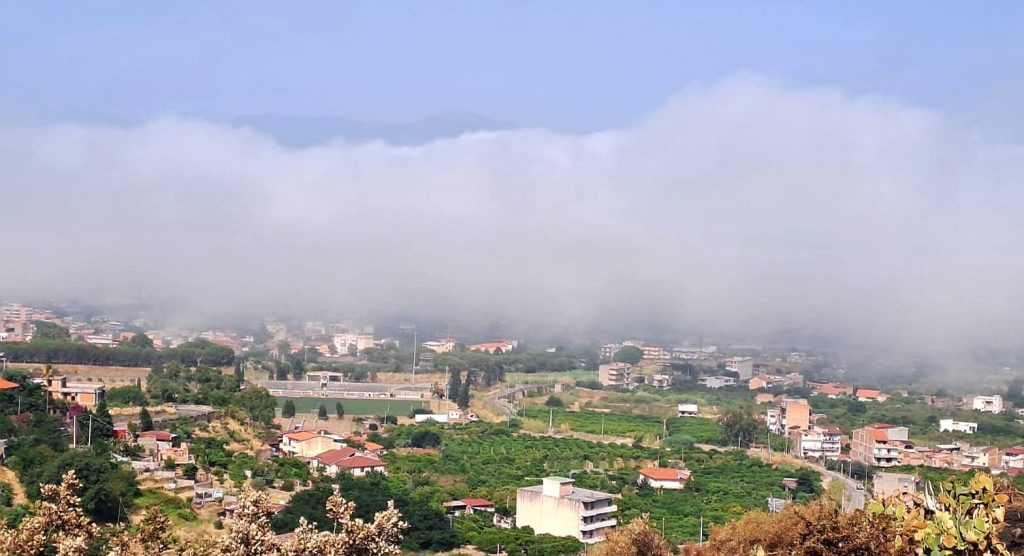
pixel 563 65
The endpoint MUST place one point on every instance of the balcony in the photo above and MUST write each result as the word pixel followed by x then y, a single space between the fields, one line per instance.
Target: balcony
pixel 598 511
pixel 610 522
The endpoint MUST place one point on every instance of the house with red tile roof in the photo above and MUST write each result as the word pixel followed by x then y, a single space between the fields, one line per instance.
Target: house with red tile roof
pixel 468 506
pixel 360 466
pixel 664 478
pixel 7 385
pixel 833 390
pixel 329 462
pixel 306 444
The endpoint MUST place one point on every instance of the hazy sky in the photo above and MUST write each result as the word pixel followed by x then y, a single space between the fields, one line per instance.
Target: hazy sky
pixel 725 167
pixel 563 65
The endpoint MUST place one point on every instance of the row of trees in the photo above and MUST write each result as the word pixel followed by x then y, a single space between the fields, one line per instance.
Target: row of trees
pixel 64 351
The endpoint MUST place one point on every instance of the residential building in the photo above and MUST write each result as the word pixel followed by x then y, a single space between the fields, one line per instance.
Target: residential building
pixel 496 347
pixel 468 506
pixel 790 415
pixel 556 507
pixel 608 350
pixel 758 382
pixel 818 443
pixel 664 478
pixel 15 331
pixel 950 425
pixel 360 466
pixel 744 366
pixel 306 444
pixel 763 397
pixel 1013 458
pixel 659 381
pixel 988 404
pixel 328 462
pixel 887 484
pixel 688 410
pixel 154 442
pixel 715 382
pixel 87 394
pixel 987 457
pixel 879 445
pixel 833 390
pixel 440 346
pixel 615 374
pixel 655 353
pixel 360 341
pixel 869 395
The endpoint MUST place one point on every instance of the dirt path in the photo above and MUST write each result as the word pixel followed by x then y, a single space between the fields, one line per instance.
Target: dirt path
pixel 8 476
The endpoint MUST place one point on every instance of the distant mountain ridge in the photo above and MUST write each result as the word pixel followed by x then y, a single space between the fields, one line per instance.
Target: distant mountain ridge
pixel 305 131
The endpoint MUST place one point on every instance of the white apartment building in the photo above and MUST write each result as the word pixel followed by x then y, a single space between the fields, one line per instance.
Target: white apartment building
pixel 688 410
pixel 949 425
pixel 440 346
pixel 1013 458
pixel 818 443
pixel 988 404
pixel 715 382
pixel 361 341
pixel 615 374
pixel 791 414
pixel 744 366
pixel 556 507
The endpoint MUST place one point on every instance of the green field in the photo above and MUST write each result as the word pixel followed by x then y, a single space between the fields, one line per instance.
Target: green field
pixel 353 406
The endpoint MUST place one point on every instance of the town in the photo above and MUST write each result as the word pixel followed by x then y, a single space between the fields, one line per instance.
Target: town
pixel 488 445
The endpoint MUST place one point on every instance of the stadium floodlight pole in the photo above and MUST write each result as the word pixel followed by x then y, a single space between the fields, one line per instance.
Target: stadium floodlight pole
pixel 415 341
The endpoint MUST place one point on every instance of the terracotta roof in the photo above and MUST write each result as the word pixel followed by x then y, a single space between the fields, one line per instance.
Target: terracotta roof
pixel 830 389
pixel 372 446
pixel 866 393
pixel 360 462
pixel 7 385
pixel 833 430
pixel 1015 451
pixel 477 502
pixel 300 436
pixel 665 474
pixel 331 457
pixel 162 436
pixel 878 436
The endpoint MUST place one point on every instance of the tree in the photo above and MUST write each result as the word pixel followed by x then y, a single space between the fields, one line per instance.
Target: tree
pixel 628 354
pixel 49 331
pixel 339 410
pixel 288 411
pixel 125 396
pixel 463 399
pixel 637 538
pixel 145 420
pixel 240 371
pixel 258 404
pixel 103 423
pixel 321 412
pixel 554 401
pixel 352 350
pixel 739 424
pixel 454 385
pixel 139 341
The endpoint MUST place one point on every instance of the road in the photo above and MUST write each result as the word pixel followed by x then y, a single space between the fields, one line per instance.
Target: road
pixel 855 498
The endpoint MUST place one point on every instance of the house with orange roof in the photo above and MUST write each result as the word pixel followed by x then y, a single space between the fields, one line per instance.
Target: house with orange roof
pixel 664 478
pixel 7 385
pixel 869 395
pixel 306 444
pixel 360 466
pixel 495 347
pixel 833 390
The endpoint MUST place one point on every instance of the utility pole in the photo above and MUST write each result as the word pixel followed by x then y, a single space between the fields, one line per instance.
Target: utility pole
pixel 19 405
pixel 701 541
pixel 74 433
pixel 446 369
pixel 90 431
pixel 551 416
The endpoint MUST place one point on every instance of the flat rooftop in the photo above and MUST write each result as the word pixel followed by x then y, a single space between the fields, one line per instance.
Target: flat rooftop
pixel 581 494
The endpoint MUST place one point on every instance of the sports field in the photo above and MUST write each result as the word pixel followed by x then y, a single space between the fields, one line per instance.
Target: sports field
pixel 353 406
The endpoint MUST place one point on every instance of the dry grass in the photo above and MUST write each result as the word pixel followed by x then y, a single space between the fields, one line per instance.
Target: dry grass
pixel 8 476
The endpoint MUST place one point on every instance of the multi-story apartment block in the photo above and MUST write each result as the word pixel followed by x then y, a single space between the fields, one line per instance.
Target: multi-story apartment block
pixel 744 366
pixel 790 415
pixel 818 442
pixel 615 374
pixel 87 394
pixel 879 445
pixel 988 404
pixel 1013 458
pixel 556 507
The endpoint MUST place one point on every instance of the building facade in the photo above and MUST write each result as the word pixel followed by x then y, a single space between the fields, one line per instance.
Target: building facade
pixel 615 374
pixel 879 445
pixel 818 443
pixel 556 507
pixel 988 404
